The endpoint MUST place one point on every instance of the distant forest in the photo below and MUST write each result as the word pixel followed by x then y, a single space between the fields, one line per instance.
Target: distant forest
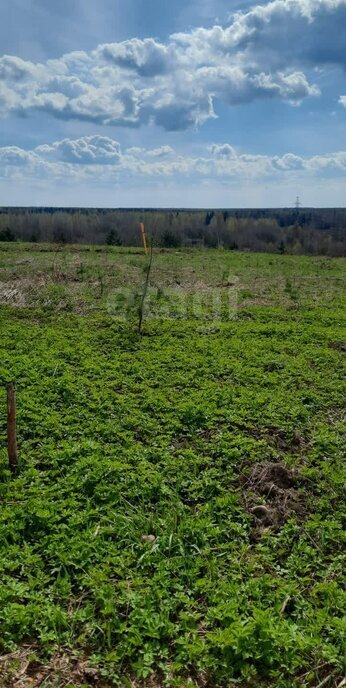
pixel 297 231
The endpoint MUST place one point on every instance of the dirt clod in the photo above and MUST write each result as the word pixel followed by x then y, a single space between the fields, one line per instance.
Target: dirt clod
pixel 271 494
pixel 269 476
pixel 263 514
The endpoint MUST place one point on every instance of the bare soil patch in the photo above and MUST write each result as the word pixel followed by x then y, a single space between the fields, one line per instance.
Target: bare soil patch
pixel 272 495
pixel 338 346
pixel 281 441
pixel 21 669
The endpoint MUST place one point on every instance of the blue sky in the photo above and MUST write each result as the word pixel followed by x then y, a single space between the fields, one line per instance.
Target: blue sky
pixel 186 103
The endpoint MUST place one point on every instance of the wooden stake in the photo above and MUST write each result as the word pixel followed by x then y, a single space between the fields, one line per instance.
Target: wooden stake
pixel 145 289
pixel 144 238
pixel 11 428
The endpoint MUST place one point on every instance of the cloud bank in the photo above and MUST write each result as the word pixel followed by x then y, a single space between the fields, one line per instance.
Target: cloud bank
pixel 271 51
pixel 100 158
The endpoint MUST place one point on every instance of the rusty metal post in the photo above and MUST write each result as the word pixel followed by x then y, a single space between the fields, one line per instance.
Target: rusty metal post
pixel 11 428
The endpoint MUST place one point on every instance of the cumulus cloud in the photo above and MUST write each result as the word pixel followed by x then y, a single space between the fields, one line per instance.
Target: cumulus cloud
pixel 14 69
pixel 96 150
pixel 16 157
pixel 342 100
pixel 234 86
pixel 181 111
pixel 267 51
pixel 289 162
pixel 146 57
pixel 102 158
pixel 278 33
pixel 161 152
pixel 223 150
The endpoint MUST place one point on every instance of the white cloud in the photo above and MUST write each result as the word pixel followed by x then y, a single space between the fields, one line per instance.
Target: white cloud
pixel 16 157
pixel 289 162
pixel 101 158
pixel 87 150
pixel 278 33
pixel 268 51
pixel 235 86
pixel 14 69
pixel 223 150
pixel 161 152
pixel 146 57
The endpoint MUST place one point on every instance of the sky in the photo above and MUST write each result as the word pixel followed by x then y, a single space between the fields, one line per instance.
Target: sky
pixel 180 103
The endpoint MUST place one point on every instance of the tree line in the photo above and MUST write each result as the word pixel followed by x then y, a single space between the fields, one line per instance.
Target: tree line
pixel 304 231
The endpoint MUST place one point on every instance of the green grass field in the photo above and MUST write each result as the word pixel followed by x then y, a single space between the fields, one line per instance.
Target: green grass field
pixel 177 516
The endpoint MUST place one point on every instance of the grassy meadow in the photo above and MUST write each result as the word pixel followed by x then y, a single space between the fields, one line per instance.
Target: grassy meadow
pixel 176 519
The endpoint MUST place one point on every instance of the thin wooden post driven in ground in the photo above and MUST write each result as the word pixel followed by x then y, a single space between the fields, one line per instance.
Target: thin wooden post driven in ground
pixel 144 238
pixel 11 427
pixel 145 289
